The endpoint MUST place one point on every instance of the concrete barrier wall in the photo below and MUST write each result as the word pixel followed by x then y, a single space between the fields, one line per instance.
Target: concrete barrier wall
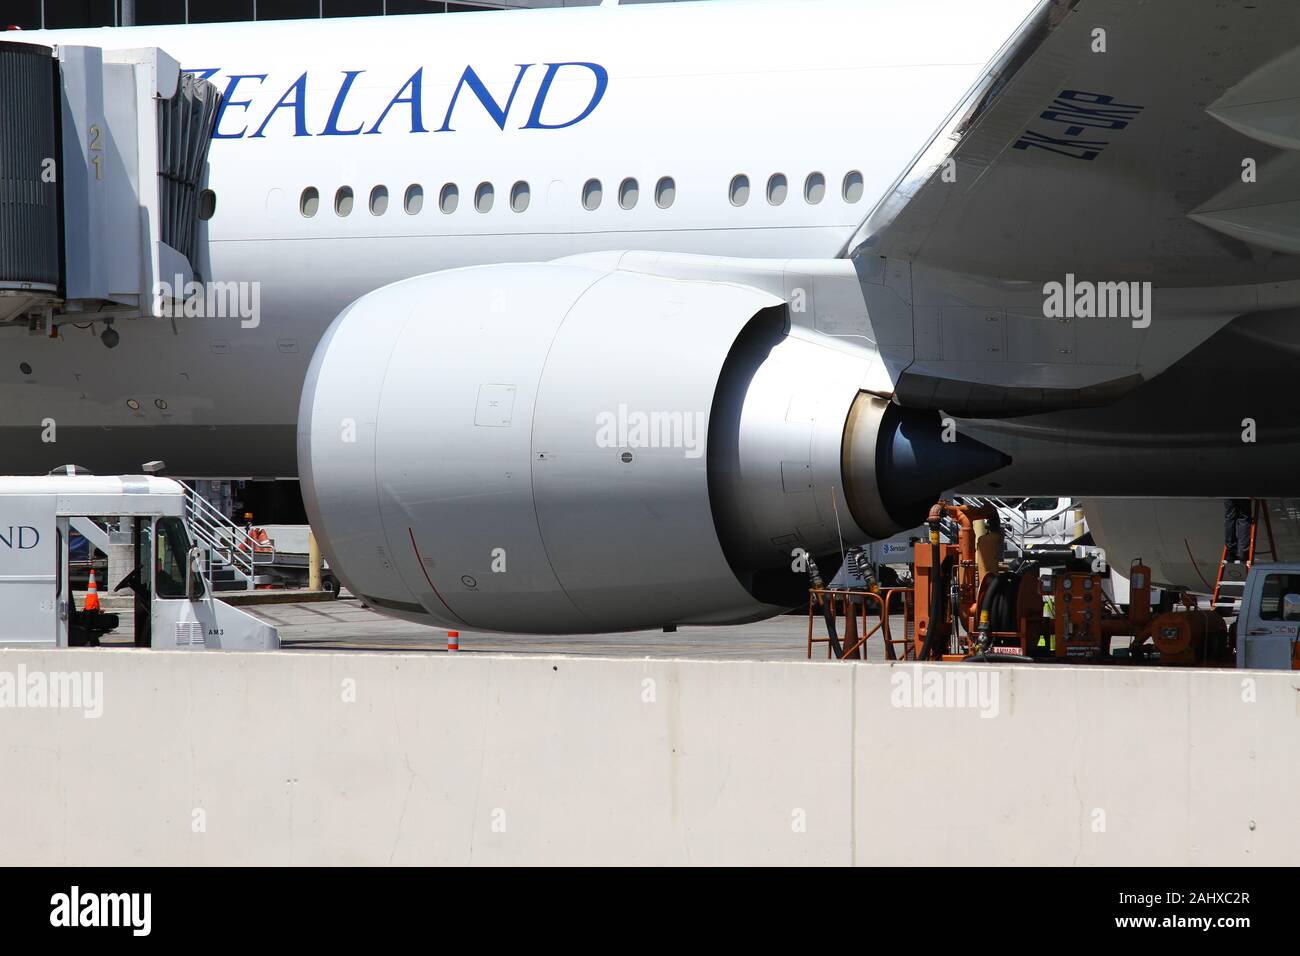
pixel 319 758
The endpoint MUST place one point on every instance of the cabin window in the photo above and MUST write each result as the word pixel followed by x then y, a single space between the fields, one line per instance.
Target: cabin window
pixel 520 196
pixel 379 200
pixel 814 189
pixel 629 191
pixel 778 187
pixel 665 192
pixel 343 201
pixel 413 202
pixel 853 187
pixel 484 196
pixel 739 191
pixel 592 194
pixel 449 199
pixel 310 202
pixel 207 204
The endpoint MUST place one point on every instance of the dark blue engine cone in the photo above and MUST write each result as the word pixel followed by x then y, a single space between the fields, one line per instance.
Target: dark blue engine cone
pixel 915 465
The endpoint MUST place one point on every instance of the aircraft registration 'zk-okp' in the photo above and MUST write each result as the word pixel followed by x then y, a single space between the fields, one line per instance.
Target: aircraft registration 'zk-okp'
pixel 587 319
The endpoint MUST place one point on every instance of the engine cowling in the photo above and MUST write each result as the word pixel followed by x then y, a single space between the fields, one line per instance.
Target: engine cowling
pixel 555 448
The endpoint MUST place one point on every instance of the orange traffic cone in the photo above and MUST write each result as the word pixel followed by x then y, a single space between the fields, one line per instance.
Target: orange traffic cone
pixel 92 593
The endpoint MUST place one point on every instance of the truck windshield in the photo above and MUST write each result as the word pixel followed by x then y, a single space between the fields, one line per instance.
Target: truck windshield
pixel 173 544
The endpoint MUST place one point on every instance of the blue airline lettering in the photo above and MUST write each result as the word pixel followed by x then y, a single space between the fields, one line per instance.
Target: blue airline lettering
pixel 495 110
pixel 332 125
pixel 414 100
pixel 227 101
pixel 602 83
pixel 299 104
pixel 411 95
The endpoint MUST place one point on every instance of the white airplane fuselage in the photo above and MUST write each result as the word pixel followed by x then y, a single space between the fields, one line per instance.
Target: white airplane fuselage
pixel 695 93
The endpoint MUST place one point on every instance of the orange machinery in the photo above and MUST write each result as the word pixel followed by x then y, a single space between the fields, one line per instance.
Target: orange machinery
pixel 942 572
pixel 951 581
pixel 964 605
pixel 1187 637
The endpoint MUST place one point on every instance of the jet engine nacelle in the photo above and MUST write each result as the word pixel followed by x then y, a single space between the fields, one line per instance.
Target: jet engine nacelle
pixel 554 448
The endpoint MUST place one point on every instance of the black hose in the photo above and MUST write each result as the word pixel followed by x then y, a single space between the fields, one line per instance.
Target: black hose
pixel 937 585
pixel 1023 569
pixel 1008 595
pixel 828 614
pixel 986 628
pixel 1001 601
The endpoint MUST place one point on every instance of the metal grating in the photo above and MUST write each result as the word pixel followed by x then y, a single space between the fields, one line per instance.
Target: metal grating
pixel 188 633
pixel 29 206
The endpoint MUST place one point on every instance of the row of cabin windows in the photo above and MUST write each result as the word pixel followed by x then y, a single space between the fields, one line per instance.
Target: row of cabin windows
pixel 484 197
pixel 413 199
pixel 814 188
pixel 593 194
pixel 629 193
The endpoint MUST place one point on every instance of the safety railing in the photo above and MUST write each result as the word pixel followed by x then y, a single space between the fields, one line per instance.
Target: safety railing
pixel 1017 530
pixel 854 609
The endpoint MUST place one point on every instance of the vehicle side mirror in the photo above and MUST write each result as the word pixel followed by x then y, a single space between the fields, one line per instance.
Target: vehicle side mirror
pixel 1291 607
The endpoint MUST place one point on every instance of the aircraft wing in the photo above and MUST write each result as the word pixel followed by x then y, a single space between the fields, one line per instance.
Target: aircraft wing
pixel 1116 139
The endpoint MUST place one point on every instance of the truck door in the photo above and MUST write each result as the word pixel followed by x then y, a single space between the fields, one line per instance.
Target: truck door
pixel 138 581
pixel 184 613
pixel 62 583
pixel 1267 630
pixel 178 589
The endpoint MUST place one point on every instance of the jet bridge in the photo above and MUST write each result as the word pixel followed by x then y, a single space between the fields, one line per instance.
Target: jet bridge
pixel 101 180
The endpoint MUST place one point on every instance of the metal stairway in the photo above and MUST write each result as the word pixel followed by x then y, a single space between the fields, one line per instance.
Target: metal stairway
pixel 1019 533
pixel 231 556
